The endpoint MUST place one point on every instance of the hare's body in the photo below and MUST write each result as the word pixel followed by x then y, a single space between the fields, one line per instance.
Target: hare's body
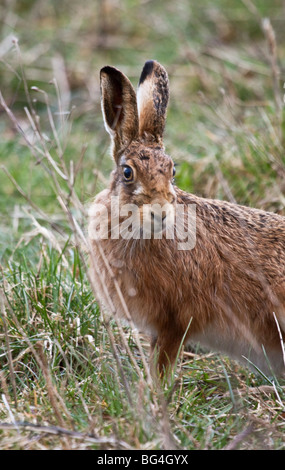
pixel 226 292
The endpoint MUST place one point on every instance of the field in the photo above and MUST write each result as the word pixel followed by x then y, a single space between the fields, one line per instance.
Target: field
pixel 69 377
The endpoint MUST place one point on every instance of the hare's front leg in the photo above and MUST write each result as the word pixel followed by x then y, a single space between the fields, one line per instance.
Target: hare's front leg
pixel 164 351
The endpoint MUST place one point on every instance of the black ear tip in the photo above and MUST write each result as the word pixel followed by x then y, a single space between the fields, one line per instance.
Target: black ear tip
pixel 147 70
pixel 107 69
pixel 111 72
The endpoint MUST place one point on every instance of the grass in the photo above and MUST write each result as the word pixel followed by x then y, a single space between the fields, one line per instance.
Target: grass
pixel 70 378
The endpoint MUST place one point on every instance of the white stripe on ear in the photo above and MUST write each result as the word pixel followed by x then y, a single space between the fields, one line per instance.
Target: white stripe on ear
pixel 152 99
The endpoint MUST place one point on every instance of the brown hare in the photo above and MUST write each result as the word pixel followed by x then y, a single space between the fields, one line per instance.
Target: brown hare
pixel 225 286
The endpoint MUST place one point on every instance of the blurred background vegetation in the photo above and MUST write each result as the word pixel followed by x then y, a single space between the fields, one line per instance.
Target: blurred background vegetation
pixel 225 130
pixel 223 126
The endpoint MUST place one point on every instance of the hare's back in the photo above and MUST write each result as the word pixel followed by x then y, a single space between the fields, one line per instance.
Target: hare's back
pixel 243 234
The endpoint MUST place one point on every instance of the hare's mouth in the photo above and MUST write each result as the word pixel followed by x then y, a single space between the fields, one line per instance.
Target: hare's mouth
pixel 155 222
pixel 158 222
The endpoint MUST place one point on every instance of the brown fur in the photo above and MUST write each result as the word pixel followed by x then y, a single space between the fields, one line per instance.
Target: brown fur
pixel 223 292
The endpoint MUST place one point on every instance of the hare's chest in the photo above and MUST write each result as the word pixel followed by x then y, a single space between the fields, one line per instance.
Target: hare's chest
pixel 135 298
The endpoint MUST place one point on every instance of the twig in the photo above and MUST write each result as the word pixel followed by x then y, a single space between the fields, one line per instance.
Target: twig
pixel 61 431
pixel 7 406
pixel 272 49
pixel 240 437
pixel 9 354
pixel 280 336
pixel 259 389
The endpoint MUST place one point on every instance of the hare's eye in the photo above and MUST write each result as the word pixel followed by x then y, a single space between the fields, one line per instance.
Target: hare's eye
pixel 174 172
pixel 128 173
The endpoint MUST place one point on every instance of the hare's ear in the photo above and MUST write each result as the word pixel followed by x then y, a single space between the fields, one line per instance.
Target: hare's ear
pixel 119 107
pixel 152 96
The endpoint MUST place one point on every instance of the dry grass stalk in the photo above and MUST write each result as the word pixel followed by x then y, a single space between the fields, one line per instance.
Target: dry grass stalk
pixel 56 400
pixel 9 354
pixel 275 70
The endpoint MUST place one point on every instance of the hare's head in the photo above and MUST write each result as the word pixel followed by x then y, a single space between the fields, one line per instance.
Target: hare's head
pixel 144 173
